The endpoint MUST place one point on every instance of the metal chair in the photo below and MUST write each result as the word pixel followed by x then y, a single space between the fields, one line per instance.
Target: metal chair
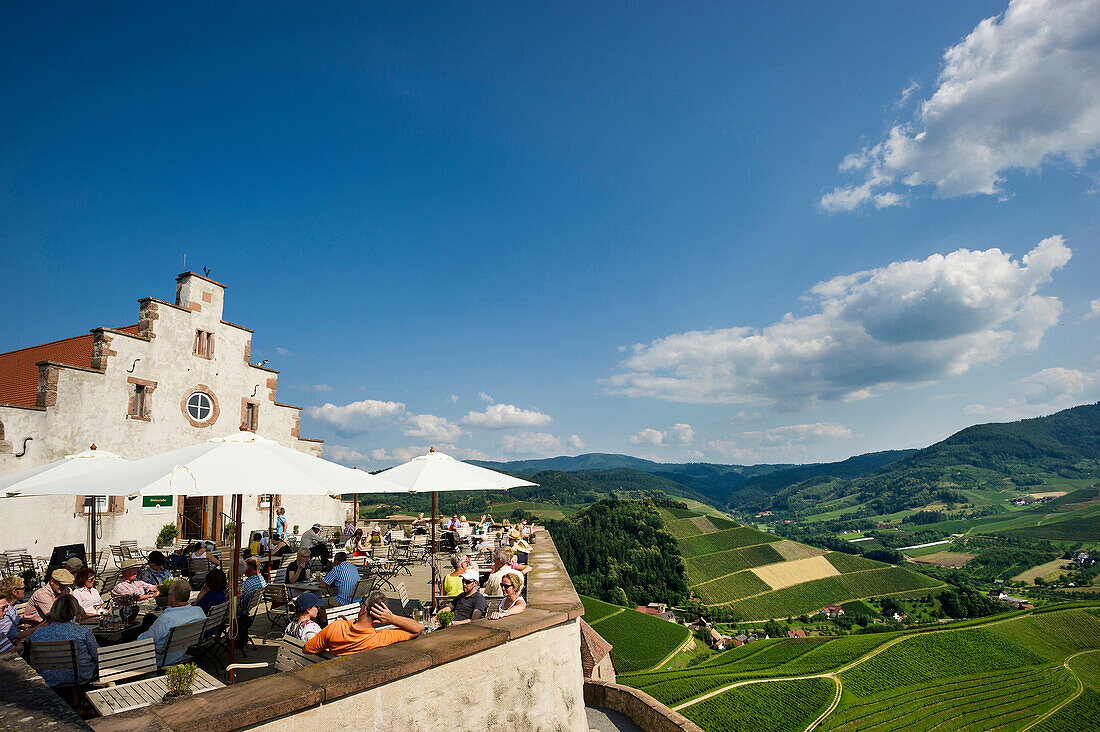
pixel 214 638
pixel 107 581
pixel 132 546
pixel 116 554
pixel 278 606
pixel 346 612
pixel 290 656
pixel 126 661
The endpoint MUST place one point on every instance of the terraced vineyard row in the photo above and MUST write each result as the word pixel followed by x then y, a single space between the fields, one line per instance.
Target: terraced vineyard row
pixel 851 563
pixel 705 568
pixel 694 546
pixel 804 598
pixel 638 641
pixel 885 581
pixel 766 707
pixel 733 587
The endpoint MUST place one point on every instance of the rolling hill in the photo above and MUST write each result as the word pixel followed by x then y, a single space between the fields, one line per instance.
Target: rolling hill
pixel 761 576
pixel 638 641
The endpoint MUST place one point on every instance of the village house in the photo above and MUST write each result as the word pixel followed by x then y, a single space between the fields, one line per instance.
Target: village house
pixel 833 611
pixel 180 375
pixel 596 661
pixel 796 634
pixel 658 609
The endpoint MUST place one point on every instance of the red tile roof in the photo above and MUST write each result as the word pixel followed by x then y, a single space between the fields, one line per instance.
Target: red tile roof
pixel 19 375
pixel 593 648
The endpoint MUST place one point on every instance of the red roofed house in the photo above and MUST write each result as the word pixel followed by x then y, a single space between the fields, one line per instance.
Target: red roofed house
pixel 596 661
pixel 796 634
pixel 179 376
pixel 833 611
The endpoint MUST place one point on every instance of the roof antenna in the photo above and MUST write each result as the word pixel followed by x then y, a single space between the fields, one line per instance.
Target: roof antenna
pixel 185 261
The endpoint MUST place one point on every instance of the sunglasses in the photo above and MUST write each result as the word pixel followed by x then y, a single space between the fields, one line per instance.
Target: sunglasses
pixel 504 585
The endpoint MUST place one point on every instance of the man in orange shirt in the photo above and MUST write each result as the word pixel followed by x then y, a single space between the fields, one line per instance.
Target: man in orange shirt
pixel 343 637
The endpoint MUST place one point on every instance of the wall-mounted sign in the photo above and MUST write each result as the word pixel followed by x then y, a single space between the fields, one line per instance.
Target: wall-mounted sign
pixel 156 501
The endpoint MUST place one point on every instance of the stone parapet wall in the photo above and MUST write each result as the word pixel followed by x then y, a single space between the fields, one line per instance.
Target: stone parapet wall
pixel 520 672
pixel 639 707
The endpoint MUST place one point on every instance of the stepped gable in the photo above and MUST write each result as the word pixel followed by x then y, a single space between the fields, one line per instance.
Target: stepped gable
pixel 20 368
pixel 593 648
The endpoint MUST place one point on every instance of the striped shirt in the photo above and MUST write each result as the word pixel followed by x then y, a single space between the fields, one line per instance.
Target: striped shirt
pixel 344 577
pixel 250 586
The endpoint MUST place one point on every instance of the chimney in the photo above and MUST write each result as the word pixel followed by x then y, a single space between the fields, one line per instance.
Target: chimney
pixel 200 294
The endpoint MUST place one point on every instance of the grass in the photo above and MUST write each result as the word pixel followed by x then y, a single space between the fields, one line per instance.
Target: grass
pixel 595 610
pixel 638 641
pixel 733 587
pixel 542 510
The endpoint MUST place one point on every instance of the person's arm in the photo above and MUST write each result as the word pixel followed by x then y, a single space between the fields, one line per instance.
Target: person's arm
pixel 383 614
pixel 317 643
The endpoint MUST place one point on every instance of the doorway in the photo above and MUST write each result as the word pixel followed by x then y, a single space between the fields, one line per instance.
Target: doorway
pixel 194 518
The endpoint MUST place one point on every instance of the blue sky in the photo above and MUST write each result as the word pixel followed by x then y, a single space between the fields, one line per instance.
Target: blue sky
pixel 697 232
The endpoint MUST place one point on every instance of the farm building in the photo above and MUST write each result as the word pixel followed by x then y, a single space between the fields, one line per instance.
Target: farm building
pixel 596 661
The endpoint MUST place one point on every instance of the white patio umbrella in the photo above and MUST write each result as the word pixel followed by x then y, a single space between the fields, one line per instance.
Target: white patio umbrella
pixel 242 463
pixel 64 478
pixel 437 472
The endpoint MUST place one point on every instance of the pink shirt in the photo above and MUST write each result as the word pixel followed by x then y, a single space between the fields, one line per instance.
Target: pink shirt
pixel 89 598
pixel 131 587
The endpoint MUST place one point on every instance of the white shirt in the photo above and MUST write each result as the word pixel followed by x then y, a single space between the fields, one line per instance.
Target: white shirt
pixel 309 539
pixel 89 599
pixel 172 617
pixel 492 584
pixel 303 631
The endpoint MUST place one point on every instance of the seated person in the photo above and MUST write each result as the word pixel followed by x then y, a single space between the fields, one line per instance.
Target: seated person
pixel 11 591
pixel 253 582
pixel 420 524
pixel 43 599
pixel 277 549
pixel 344 576
pixel 311 540
pixel 86 594
pixel 298 570
pixel 512 604
pixel 178 612
pixel 8 645
pixel 502 563
pixel 343 637
pixel 452 583
pixel 521 550
pixel 74 564
pixel 356 545
pixel 305 608
pixel 156 573
pixel 129 584
pixel 452 525
pixel 204 551
pixel 62 626
pixel 471 604
pixel 213 590
pixel 253 548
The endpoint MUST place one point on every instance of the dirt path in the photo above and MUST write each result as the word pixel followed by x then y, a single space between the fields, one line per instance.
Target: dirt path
pixel 832 707
pixel 1080 689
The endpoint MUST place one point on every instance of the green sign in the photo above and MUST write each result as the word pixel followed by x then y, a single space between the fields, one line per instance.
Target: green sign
pixel 156 501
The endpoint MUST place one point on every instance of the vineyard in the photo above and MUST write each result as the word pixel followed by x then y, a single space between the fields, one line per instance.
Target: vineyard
pixel 885 581
pixel 703 569
pixel 761 554
pixel 1001 673
pixel 807 597
pixel 638 641
pixel 770 707
pixel 845 563
pixel 694 546
pixel 733 587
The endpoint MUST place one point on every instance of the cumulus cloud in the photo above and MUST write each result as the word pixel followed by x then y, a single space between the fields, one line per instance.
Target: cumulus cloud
pixel 431 427
pixel 648 436
pixel 1022 89
pixel 906 324
pixel 787 442
pixel 404 454
pixel 575 442
pixel 534 444
pixel 357 417
pixel 1059 385
pixel 1094 310
pixel 342 454
pixel 500 416
pixel 484 397
pixel 683 433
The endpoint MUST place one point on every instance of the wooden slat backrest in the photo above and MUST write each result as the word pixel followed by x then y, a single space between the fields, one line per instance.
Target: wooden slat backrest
pixel 132 543
pixel 181 637
pixel 363 587
pixel 349 612
pixel 200 566
pixel 107 581
pixel 116 552
pixel 276 593
pixel 291 656
pixel 280 575
pixel 219 613
pixel 126 553
pixel 52 655
pixel 127 660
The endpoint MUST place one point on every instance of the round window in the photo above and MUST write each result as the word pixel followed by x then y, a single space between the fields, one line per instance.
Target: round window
pixel 199 406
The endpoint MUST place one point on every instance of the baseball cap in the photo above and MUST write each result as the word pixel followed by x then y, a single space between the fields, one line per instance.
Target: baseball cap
pixel 471 575
pixel 306 600
pixel 317 527
pixel 74 563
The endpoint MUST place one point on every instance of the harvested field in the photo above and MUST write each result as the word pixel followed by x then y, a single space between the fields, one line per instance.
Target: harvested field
pixel 1054 567
pixel 945 559
pixel 794 550
pixel 795 572
pixel 1048 494
pixel 703 523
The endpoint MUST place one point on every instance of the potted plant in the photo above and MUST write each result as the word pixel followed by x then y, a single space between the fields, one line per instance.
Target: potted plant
pixel 295 532
pixel 162 597
pixel 167 535
pixel 230 527
pixel 127 607
pixel 179 679
pixel 445 618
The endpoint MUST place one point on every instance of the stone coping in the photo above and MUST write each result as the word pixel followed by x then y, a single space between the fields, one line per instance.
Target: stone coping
pixel 551 599
pixel 28 703
pixel 636 705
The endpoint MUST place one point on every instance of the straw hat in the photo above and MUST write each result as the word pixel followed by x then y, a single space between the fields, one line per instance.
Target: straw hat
pixel 522 546
pixel 513 534
pixel 129 564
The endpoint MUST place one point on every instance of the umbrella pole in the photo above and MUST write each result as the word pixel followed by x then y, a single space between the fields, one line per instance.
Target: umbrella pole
pixel 233 582
pixel 94 562
pixel 355 511
pixel 270 531
pixel 434 494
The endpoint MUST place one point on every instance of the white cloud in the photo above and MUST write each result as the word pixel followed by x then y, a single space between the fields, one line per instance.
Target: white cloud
pixel 1094 310
pixel 431 427
pixel 575 442
pixel 648 436
pixel 312 387
pixel 787 443
pixel 283 351
pixel 534 444
pixel 342 454
pixel 357 417
pixel 1059 386
pixel 404 454
pixel 500 416
pixel 683 433
pixel 907 324
pixel 792 433
pixel 1023 89
pixel 454 398
pixel 484 397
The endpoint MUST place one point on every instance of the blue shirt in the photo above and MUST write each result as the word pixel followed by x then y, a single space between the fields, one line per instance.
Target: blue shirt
pixel 210 599
pixel 87 652
pixel 280 526
pixel 344 577
pixel 170 618
pixel 9 623
pixel 251 586
pixel 155 576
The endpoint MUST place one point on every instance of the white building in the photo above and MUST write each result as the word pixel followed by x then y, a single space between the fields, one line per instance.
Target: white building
pixel 179 376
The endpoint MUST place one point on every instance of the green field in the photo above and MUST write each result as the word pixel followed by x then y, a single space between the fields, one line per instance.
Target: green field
pixel 742 536
pixel 638 641
pixel 761 554
pixel 795 600
pixel 542 510
pixel 733 587
pixel 702 569
pixel 1002 673
pixel 885 581
pixel 851 562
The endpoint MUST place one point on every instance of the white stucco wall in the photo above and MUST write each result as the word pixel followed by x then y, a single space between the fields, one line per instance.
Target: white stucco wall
pixel 92 407
pixel 532 683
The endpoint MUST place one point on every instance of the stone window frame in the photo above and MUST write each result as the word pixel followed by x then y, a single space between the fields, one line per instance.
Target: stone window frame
pixel 145 388
pixel 203 388
pixel 204 344
pixel 255 424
